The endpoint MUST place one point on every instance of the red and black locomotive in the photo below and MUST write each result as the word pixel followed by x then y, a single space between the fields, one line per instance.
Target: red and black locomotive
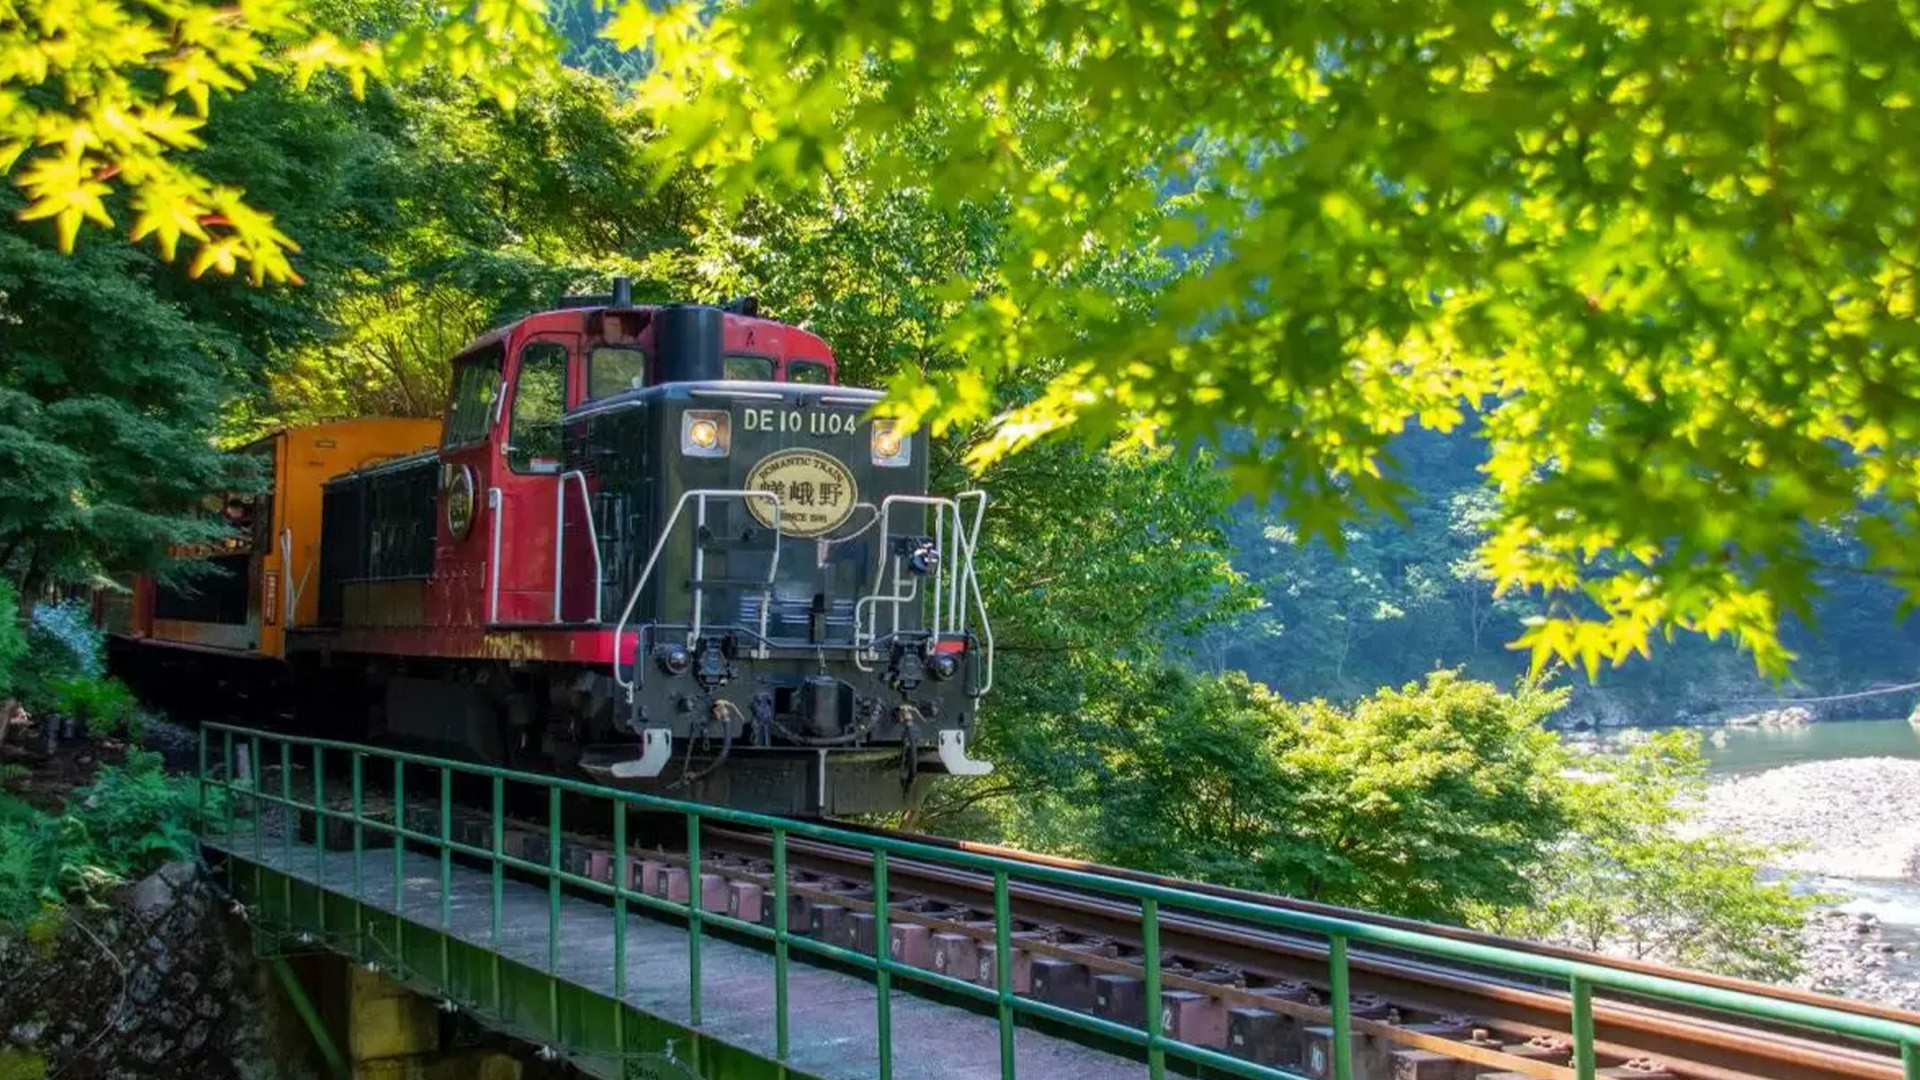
pixel 659 545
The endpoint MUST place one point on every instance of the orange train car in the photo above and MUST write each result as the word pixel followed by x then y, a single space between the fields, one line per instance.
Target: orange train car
pixel 265 578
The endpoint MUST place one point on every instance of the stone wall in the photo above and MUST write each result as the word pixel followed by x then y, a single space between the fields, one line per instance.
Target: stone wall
pixel 158 985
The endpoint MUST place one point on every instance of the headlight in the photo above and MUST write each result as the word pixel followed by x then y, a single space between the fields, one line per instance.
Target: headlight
pixel 890 448
pixel 705 433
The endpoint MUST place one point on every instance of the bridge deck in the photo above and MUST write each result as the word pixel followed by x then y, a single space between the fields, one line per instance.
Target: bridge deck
pixel 833 1020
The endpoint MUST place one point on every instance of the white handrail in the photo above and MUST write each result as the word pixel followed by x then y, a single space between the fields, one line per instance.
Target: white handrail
pixel 560 543
pixel 659 545
pixel 493 556
pixel 287 599
pixel 963 583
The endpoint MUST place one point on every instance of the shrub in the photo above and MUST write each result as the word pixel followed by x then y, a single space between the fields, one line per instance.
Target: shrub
pixel 105 703
pixel 133 817
pixel 13 640
pixel 69 623
pixel 1629 878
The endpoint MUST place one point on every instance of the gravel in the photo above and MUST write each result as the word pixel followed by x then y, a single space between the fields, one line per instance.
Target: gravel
pixel 1852 818
pixel 1845 826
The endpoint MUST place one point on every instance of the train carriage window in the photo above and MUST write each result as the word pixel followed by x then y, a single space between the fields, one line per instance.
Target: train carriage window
pixel 476 389
pixel 749 369
pixel 807 371
pixel 613 371
pixel 539 397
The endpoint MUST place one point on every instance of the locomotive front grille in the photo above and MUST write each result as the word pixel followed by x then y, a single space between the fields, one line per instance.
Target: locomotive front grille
pixel 791 617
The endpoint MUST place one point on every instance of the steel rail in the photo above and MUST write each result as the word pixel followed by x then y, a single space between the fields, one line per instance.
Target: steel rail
pixel 1695 1048
pixel 1457 933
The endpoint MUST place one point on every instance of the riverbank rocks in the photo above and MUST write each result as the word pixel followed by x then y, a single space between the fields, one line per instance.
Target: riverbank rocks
pixel 1847 954
pixel 153 987
pixel 1855 818
pixel 1791 716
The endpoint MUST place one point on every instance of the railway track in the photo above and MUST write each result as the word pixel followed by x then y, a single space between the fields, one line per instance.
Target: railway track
pixel 1477 1018
pixel 1244 989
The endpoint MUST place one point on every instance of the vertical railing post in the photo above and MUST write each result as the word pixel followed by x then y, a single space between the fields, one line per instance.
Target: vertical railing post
pixel 1583 1055
pixel 553 881
pixel 1342 1007
pixel 228 771
pixel 446 875
pixel 357 794
pixel 883 959
pixel 399 840
pixel 553 907
pixel 499 874
pixel 780 1047
pixel 620 879
pixel 446 846
pixel 359 824
pixel 1150 943
pixel 200 821
pixel 288 828
pixel 693 917
pixel 499 849
pixel 1910 1060
pixel 320 821
pixel 253 804
pixel 1003 969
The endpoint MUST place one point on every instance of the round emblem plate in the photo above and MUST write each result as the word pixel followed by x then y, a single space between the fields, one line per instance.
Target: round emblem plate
pixel 459 501
pixel 817 492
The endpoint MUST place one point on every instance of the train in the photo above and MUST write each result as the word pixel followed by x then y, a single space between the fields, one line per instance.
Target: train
pixel 659 546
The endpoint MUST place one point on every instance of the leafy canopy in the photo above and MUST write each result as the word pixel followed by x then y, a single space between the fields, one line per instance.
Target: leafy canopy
pixel 1667 251
pixel 99 97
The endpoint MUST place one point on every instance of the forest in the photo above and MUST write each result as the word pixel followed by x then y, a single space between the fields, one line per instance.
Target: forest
pixel 1408 595
pixel 1332 459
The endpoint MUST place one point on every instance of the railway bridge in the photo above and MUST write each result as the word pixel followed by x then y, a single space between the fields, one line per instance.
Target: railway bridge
pixel 634 936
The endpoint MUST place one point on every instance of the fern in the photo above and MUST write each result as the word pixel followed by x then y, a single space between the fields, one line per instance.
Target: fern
pixel 132 818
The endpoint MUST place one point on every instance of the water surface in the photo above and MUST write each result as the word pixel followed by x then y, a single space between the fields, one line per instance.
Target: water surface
pixel 1744 750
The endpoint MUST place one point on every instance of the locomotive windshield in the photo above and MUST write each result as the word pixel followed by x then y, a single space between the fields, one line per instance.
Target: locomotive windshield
pixel 806 371
pixel 749 368
pixel 613 371
pixel 476 384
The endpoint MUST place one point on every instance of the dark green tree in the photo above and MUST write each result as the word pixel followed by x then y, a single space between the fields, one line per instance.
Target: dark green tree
pixel 119 369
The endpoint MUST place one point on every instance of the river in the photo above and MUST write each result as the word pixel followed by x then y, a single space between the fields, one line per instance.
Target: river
pixel 1732 751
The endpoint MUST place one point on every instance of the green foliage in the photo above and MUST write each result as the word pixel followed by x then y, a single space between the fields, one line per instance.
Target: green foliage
pixel 1441 800
pixel 104 99
pixel 1420 801
pixel 469 216
pixel 133 817
pixel 1405 596
pixel 105 704
pixel 18 1064
pixel 120 369
pixel 1657 244
pixel 59 667
pixel 1629 877
pixel 13 639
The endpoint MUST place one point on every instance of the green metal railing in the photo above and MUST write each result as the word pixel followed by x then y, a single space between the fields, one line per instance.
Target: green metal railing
pixel 1581 980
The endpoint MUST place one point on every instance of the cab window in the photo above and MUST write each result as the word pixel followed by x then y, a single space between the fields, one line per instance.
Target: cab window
pixel 807 371
pixel 476 388
pixel 613 371
pixel 749 369
pixel 539 398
